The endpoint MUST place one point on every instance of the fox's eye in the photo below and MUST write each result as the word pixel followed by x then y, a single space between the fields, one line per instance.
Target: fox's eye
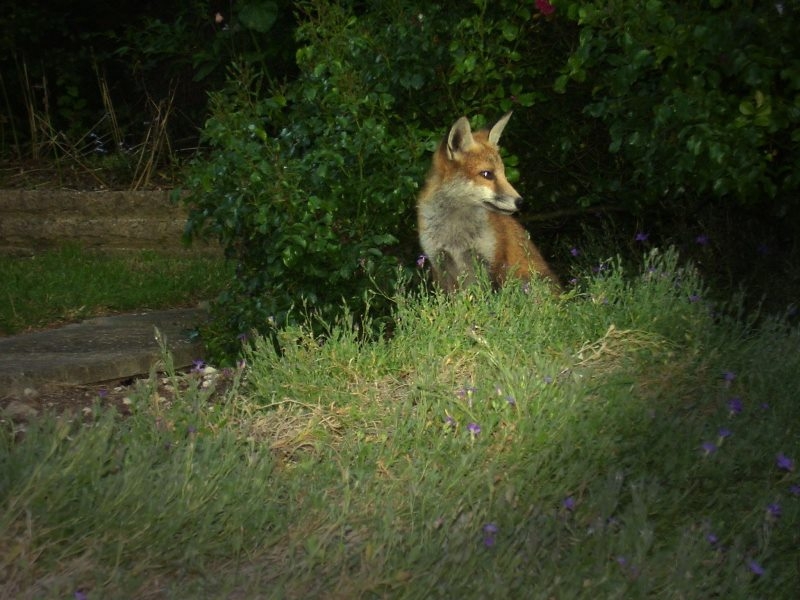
pixel 487 175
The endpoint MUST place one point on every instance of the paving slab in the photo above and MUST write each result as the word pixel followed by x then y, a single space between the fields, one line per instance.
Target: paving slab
pixel 99 349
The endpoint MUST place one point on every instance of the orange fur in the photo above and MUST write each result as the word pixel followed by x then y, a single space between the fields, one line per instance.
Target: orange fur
pixel 464 213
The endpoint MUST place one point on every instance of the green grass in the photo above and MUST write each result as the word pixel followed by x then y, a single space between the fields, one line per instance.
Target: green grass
pixel 351 469
pixel 70 284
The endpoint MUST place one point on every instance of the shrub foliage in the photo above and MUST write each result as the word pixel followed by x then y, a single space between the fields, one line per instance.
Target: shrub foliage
pixel 309 182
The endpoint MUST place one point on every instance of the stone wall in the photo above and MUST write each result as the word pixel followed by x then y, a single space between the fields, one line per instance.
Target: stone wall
pixel 32 221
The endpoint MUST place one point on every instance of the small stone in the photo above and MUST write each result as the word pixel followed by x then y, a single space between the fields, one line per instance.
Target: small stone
pixel 30 393
pixel 19 410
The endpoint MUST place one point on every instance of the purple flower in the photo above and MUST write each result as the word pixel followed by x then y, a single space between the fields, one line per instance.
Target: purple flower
pixel 81 595
pixel 694 298
pixel 755 567
pixel 511 401
pixel 466 392
pixel 728 376
pixel 574 251
pixel 794 489
pixel 449 421
pixel 641 236
pixel 709 448
pixel 474 429
pixel 723 433
pixel 774 510
pixel 199 364
pixel 784 462
pixel 101 393
pixel 735 405
pixel 701 239
pixel 421 261
pixel 712 539
pixel 489 531
pixel 569 503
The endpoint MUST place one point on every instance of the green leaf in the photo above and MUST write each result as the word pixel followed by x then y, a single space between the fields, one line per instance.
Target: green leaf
pixel 259 16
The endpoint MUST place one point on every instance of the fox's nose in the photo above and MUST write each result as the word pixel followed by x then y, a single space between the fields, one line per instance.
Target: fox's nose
pixel 519 202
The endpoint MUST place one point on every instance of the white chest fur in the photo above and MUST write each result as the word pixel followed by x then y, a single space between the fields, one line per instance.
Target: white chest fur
pixel 455 222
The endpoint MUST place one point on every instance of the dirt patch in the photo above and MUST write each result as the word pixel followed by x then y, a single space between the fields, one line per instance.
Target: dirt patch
pixel 82 401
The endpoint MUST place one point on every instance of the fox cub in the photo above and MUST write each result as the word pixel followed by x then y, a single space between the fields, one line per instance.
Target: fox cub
pixel 465 209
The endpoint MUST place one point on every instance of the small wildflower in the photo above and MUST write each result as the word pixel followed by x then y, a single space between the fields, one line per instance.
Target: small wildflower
pixel 774 511
pixel 199 364
pixel 466 392
pixel 569 503
pixel 242 337
pixel 723 434
pixel 641 236
pixel 709 448
pixel 81 595
pixel 712 539
pixel 511 401
pixel 191 429
pixel 449 421
pixel 545 7
pixel 474 428
pixel 574 251
pixel 784 462
pixel 694 298
pixel 728 376
pixel 735 405
pixel 755 567
pixel 701 240
pixel 102 393
pixel 421 261
pixel 794 489
pixel 489 531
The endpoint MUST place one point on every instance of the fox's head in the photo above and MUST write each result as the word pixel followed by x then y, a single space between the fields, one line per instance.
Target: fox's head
pixel 472 159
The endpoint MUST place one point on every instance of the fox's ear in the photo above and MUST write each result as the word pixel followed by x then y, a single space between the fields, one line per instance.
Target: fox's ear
pixel 497 130
pixel 460 138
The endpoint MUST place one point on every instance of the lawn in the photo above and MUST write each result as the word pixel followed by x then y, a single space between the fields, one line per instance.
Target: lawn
pixel 70 284
pixel 628 440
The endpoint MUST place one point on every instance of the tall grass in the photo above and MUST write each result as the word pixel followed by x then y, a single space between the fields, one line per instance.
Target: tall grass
pixel 70 283
pixel 626 441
